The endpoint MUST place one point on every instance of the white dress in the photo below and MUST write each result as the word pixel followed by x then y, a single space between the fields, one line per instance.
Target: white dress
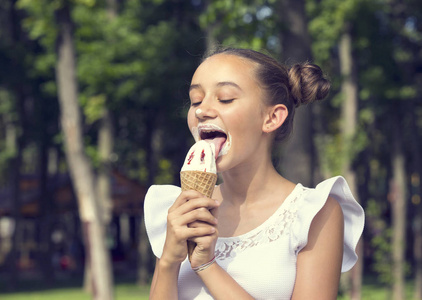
pixel 262 261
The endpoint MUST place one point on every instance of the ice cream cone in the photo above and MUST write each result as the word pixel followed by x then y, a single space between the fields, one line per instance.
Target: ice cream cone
pixel 202 182
pixel 199 173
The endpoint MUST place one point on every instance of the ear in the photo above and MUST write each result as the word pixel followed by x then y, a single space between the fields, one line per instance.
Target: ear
pixel 275 117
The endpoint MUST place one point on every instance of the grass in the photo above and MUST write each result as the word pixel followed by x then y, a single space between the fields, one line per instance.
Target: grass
pixel 71 290
pixel 122 292
pixel 68 289
pixel 373 290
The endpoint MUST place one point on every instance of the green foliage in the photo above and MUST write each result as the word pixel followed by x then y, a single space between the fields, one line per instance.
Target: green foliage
pixel 248 24
pixel 40 23
pixel 329 19
pixel 94 108
pixel 165 172
pixel 9 128
pixel 381 240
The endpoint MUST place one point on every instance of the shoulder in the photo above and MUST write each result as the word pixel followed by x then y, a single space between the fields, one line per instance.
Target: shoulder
pixel 319 261
pixel 331 211
pixel 327 226
pixel 329 205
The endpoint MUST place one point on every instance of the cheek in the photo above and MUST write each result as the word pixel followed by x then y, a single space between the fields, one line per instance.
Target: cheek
pixel 193 124
pixel 191 118
pixel 245 120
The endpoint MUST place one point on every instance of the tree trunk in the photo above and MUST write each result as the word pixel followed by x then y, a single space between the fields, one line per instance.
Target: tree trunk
pixel 103 184
pixel 144 255
pixel 46 213
pixel 80 167
pixel 152 153
pixel 105 146
pixel 351 282
pixel 398 203
pixel 298 159
pixel 15 177
pixel 416 199
pixel 105 150
pixel 417 250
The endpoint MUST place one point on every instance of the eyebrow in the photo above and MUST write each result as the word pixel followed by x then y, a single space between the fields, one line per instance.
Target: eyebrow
pixel 220 84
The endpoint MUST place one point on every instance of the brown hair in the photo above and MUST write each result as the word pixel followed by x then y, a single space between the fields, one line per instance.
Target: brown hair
pixel 294 86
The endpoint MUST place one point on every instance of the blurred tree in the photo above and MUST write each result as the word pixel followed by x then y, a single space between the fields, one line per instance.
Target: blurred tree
pixel 41 27
pixel 388 85
pixel 11 114
pixel 249 24
pixel 26 123
pixel 81 171
pixel 349 116
pixel 398 201
pixel 399 65
pixel 406 23
pixel 332 28
pixel 298 159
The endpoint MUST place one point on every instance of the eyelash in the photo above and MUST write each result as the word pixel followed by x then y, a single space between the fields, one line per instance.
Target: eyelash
pixel 225 101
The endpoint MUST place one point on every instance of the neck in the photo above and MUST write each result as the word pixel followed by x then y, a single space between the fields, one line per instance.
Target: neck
pixel 248 183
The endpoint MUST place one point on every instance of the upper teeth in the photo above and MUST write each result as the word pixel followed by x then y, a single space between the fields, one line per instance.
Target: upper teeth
pixel 210 128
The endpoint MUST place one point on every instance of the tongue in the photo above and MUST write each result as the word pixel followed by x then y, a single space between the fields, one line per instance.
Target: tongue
pixel 218 143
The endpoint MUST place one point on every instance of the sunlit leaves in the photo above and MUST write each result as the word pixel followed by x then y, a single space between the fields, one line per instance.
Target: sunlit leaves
pixel 94 108
pixel 329 18
pixel 247 24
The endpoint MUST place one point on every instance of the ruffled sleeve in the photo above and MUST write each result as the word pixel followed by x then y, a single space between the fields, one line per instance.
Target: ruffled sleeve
pixel 354 218
pixel 158 200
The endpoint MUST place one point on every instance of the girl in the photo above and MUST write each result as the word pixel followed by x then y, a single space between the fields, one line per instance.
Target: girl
pixel 260 236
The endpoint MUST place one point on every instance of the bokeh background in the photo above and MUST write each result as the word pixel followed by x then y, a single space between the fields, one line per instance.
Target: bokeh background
pixel 93 100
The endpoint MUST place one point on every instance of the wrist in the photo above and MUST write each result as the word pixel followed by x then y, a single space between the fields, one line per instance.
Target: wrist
pixel 209 271
pixel 166 265
pixel 204 266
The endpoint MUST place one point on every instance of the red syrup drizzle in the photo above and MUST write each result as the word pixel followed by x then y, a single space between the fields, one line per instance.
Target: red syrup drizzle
pixel 191 157
pixel 202 156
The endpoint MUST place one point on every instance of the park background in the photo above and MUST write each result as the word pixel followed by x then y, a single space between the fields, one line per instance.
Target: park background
pixel 93 99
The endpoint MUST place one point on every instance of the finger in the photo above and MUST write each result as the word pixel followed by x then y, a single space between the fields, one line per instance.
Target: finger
pixel 198 203
pixel 189 197
pixel 196 233
pixel 198 224
pixel 205 242
pixel 177 221
pixel 184 197
pixel 214 211
pixel 201 215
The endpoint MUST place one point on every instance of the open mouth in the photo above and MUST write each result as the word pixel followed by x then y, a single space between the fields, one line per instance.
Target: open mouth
pixel 215 135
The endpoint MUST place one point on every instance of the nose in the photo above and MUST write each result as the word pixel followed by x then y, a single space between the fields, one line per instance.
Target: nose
pixel 205 111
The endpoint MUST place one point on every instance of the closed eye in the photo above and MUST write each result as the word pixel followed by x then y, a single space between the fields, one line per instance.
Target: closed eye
pixel 226 100
pixel 195 103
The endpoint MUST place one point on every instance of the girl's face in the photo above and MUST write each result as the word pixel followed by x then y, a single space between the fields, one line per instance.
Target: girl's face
pixel 227 109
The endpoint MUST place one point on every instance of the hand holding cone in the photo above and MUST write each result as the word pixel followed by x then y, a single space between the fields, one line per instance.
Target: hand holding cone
pixel 199 173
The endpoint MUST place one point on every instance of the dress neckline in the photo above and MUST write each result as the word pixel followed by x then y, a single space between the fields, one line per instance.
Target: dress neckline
pixel 298 187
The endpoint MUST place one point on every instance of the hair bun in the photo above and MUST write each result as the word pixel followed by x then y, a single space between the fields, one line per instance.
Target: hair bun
pixel 307 83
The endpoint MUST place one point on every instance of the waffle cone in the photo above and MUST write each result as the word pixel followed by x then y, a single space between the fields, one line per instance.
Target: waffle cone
pixel 202 182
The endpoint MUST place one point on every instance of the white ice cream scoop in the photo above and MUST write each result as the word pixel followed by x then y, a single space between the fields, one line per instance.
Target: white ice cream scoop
pixel 201 157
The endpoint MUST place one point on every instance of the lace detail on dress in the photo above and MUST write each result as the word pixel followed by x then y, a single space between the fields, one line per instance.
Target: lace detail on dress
pixel 278 225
